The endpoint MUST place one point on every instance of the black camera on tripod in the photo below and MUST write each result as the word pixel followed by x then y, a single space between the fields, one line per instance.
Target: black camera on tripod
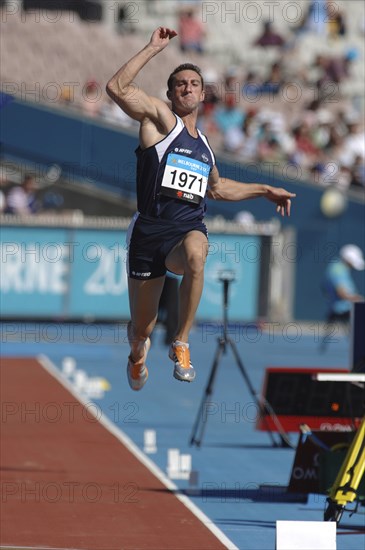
pixel 227 276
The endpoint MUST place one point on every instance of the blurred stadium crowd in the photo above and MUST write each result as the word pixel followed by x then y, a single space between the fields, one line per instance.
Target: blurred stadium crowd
pixel 284 80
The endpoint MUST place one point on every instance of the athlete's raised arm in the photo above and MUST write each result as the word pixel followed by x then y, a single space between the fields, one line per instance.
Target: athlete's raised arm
pixel 132 99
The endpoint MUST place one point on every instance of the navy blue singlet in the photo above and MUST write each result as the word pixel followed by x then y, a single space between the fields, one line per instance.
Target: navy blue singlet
pixel 172 176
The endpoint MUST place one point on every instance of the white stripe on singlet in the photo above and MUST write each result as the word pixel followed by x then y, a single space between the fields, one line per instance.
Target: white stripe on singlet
pixel 163 145
pixel 207 144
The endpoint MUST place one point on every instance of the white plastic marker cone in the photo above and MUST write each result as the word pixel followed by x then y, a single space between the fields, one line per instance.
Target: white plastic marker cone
pixel 178 466
pixel 68 366
pixel 149 443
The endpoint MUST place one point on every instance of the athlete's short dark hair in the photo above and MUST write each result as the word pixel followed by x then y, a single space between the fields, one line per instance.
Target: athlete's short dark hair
pixel 184 67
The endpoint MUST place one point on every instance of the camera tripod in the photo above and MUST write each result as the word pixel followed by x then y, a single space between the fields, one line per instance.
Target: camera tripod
pixel 225 342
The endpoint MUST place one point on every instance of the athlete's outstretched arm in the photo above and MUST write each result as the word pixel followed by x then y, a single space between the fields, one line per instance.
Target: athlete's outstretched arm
pixel 225 189
pixel 121 88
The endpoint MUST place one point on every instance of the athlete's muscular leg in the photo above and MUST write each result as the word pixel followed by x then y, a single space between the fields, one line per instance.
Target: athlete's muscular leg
pixel 188 259
pixel 144 297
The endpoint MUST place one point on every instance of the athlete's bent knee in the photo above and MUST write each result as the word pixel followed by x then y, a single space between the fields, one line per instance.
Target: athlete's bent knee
pixel 195 264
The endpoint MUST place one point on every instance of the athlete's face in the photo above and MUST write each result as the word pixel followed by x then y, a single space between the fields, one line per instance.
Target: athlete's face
pixel 187 91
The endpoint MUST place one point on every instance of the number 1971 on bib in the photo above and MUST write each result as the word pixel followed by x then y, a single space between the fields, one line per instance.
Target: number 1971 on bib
pixel 184 179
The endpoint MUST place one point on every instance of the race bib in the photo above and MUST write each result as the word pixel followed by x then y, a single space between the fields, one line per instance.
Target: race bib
pixel 184 178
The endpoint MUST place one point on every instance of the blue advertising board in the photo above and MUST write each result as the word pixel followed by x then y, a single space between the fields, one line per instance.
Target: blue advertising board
pixel 99 287
pixel 53 273
pixel 241 255
pixel 34 272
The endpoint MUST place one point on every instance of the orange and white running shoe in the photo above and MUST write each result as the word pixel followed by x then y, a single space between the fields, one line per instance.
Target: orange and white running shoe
pixel 137 372
pixel 179 353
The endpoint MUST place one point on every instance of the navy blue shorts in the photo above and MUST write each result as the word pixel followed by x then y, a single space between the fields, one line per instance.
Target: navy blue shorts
pixel 150 240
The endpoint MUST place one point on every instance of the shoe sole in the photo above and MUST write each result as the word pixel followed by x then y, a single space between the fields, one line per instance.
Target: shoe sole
pixel 179 374
pixel 180 379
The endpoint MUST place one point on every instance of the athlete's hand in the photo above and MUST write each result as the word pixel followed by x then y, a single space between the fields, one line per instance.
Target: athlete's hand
pixel 161 37
pixel 282 199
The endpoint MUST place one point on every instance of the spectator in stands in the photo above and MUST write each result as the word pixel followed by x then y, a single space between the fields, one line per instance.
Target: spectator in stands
pixel 324 18
pixel 358 173
pixel 336 22
pixel 126 23
pixel 191 32
pixel 354 142
pixel 317 174
pixel 340 123
pixel 243 141
pixel 252 85
pixel 274 80
pixel 314 20
pixel 232 80
pixel 211 99
pixel 207 108
pixel 92 98
pixel 271 152
pixel 256 87
pixel 306 150
pixel 66 97
pixel 343 177
pixel 335 139
pixel 321 132
pixel 334 69
pixel 269 37
pixel 229 114
pixel 338 284
pixel 268 148
pixel 21 199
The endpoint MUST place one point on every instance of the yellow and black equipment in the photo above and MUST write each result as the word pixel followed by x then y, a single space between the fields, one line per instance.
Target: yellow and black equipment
pixel 346 485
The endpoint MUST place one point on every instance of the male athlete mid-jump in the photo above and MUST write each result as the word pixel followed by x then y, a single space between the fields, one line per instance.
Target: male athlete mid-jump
pixel 176 173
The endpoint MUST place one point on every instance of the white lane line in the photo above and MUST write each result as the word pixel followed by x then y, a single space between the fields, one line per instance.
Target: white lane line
pixel 132 447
